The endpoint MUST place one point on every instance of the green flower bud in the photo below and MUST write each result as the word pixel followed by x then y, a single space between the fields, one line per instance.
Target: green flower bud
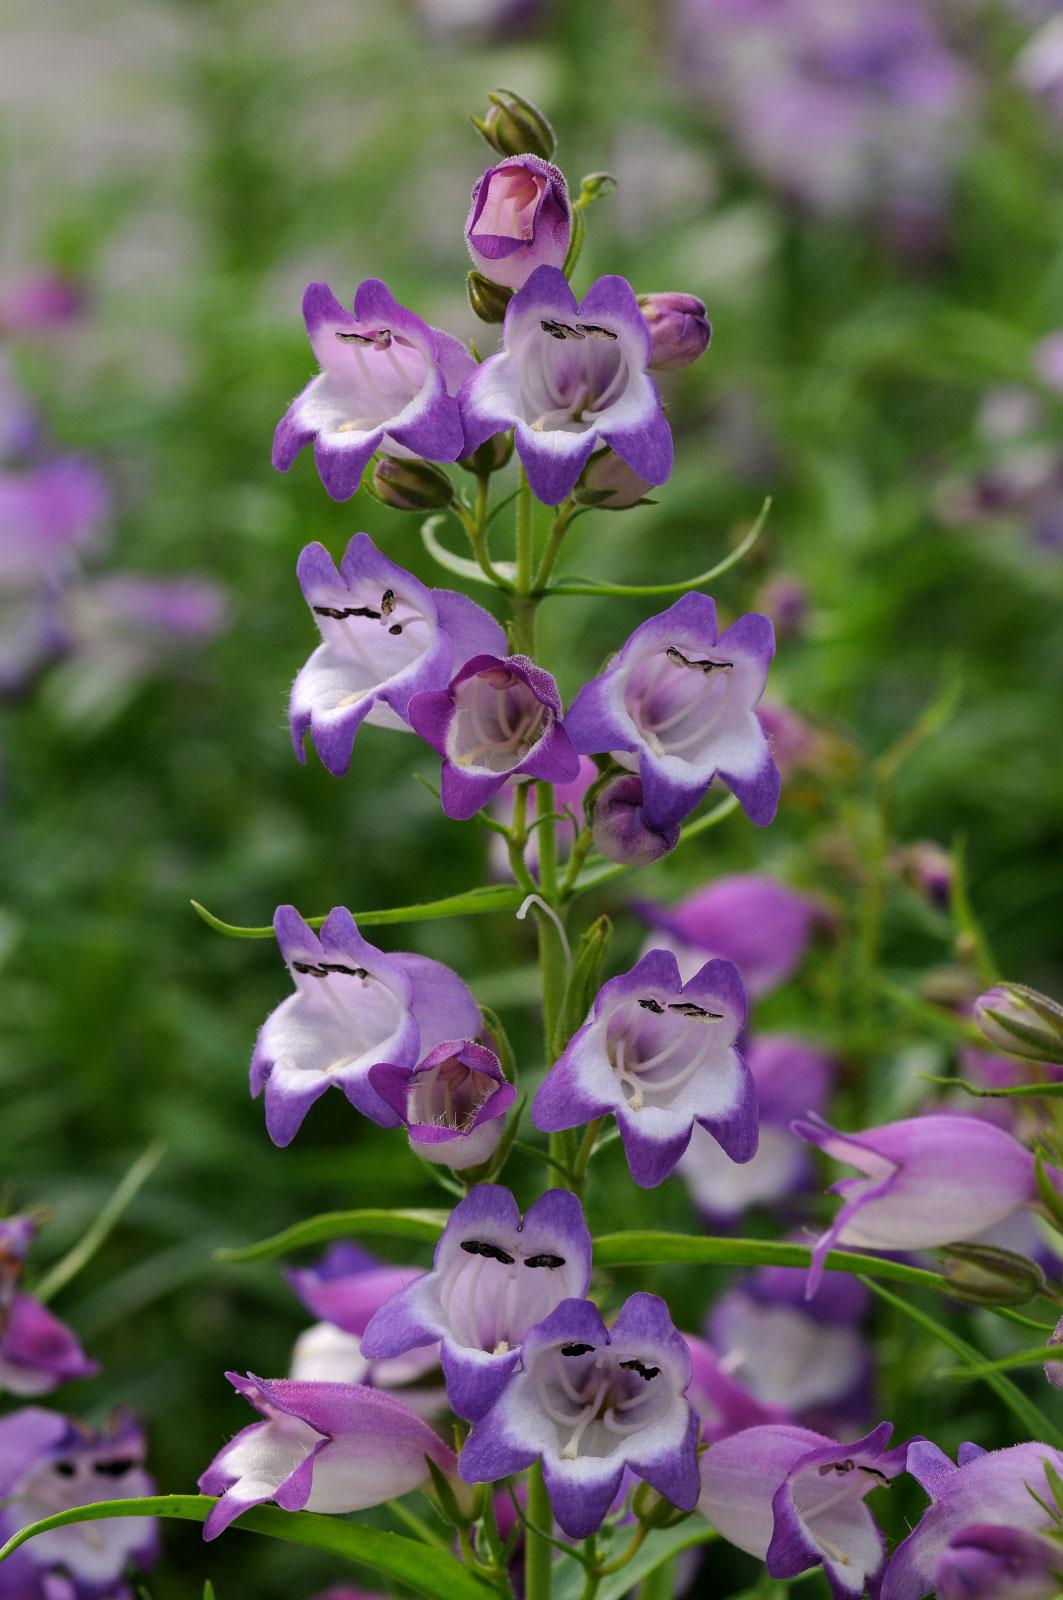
pixel 609 484
pixel 412 485
pixel 1021 1022
pixel 491 456
pixel 488 300
pixel 515 127
pixel 653 1510
pixel 982 1275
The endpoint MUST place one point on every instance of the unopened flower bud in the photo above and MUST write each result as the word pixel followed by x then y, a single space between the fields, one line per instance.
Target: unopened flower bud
pixel 410 485
pixel 785 600
pixel 679 329
pixel 653 1510
pixel 488 299
pixel 520 219
pixel 609 484
pixel 983 1275
pixel 619 826
pixel 1054 1369
pixel 926 867
pixel 1021 1021
pixel 491 456
pixel 514 126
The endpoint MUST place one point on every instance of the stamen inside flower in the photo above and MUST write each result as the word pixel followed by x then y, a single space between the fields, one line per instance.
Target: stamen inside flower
pixel 570 374
pixel 449 1095
pixel 490 1302
pixel 677 712
pixel 497 720
pixel 374 637
pixel 597 1397
pixel 656 1046
pixel 373 375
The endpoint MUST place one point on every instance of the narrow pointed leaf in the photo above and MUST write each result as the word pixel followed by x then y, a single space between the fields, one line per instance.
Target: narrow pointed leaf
pixel 420 1567
pixel 59 1275
pixel 425 1225
pixel 472 902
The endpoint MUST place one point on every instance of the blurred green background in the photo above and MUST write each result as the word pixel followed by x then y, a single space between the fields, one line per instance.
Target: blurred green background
pixel 196 164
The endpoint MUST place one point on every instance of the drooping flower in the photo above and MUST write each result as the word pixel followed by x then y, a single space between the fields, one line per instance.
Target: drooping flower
pixel 520 219
pixel 677 702
pixel 498 719
pixel 37 1351
pixel 925 1182
pixel 48 1464
pixel 387 380
pixel 569 378
pixel 796 1499
pixel 792 1078
pixel 659 1055
pixel 592 1402
pixel 322 1447
pixel 353 1006
pixel 680 331
pixel 345 1289
pixel 748 918
pixel 494 1276
pixel 385 637
pixel 981 1535
pixel 621 832
pixel 452 1103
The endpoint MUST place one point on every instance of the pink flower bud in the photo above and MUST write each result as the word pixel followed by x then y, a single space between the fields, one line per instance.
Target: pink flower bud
pixel 520 219
pixel 620 830
pixel 679 329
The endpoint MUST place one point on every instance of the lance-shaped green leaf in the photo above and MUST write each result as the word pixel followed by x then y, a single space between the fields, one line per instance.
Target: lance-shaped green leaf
pixel 659 1546
pixel 423 1225
pixel 421 1567
pixel 647 1247
pixel 109 1214
pixel 470 903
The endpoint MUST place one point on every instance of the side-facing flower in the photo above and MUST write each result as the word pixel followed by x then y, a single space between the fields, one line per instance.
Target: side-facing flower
pixel 981 1536
pixel 569 378
pixel 925 1182
pixel 452 1103
pixel 322 1447
pixel 621 832
pixel 796 1499
pixel 591 1402
pixel 748 918
pixel 520 219
pixel 387 380
pixel 50 1463
pixel 494 1276
pixel 679 328
pixel 791 1078
pixel 345 1289
pixel 353 1006
pixel 723 1405
pixel 660 1055
pixel 498 719
pixel 677 702
pixel 37 1351
pixel 385 637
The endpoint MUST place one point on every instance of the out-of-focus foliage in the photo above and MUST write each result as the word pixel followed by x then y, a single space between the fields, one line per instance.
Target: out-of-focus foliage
pixel 195 164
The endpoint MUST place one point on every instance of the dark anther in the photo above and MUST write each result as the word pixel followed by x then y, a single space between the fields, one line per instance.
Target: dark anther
pixel 379 340
pixel 687 1008
pixel 388 602
pixel 840 1467
pixel 479 1247
pixel 593 331
pixel 396 627
pixel 65 1469
pixel 678 659
pixel 636 1366
pixel 544 1261
pixel 321 970
pixel 115 1469
pixel 560 330
pixel 577 1349
pixel 340 613
pixel 654 1006
pixel 873 1472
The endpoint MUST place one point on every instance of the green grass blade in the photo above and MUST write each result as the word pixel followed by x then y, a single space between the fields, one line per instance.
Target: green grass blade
pixel 59 1275
pixel 425 1225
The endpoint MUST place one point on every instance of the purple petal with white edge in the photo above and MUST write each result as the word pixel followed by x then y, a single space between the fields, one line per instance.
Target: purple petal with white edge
pixel 927 1181
pixel 553 460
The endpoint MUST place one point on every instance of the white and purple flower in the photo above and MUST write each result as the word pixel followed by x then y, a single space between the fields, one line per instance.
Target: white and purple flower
pixel 678 702
pixel 591 1403
pixel 452 1103
pixel 330 1447
pixel 520 219
pixel 498 719
pixel 984 1534
pixel 792 1078
pixel 50 1463
pixel 37 1351
pixel 660 1056
pixel 796 1499
pixel 353 1006
pixel 570 377
pixel 494 1277
pixel 925 1182
pixel 385 637
pixel 387 380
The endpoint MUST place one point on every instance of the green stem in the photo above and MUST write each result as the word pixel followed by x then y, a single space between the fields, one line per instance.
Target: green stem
pixel 517 839
pixel 660 1583
pixel 584 1153
pixel 537 1559
pixel 524 603
pixel 476 528
pixel 556 539
pixel 411 1520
